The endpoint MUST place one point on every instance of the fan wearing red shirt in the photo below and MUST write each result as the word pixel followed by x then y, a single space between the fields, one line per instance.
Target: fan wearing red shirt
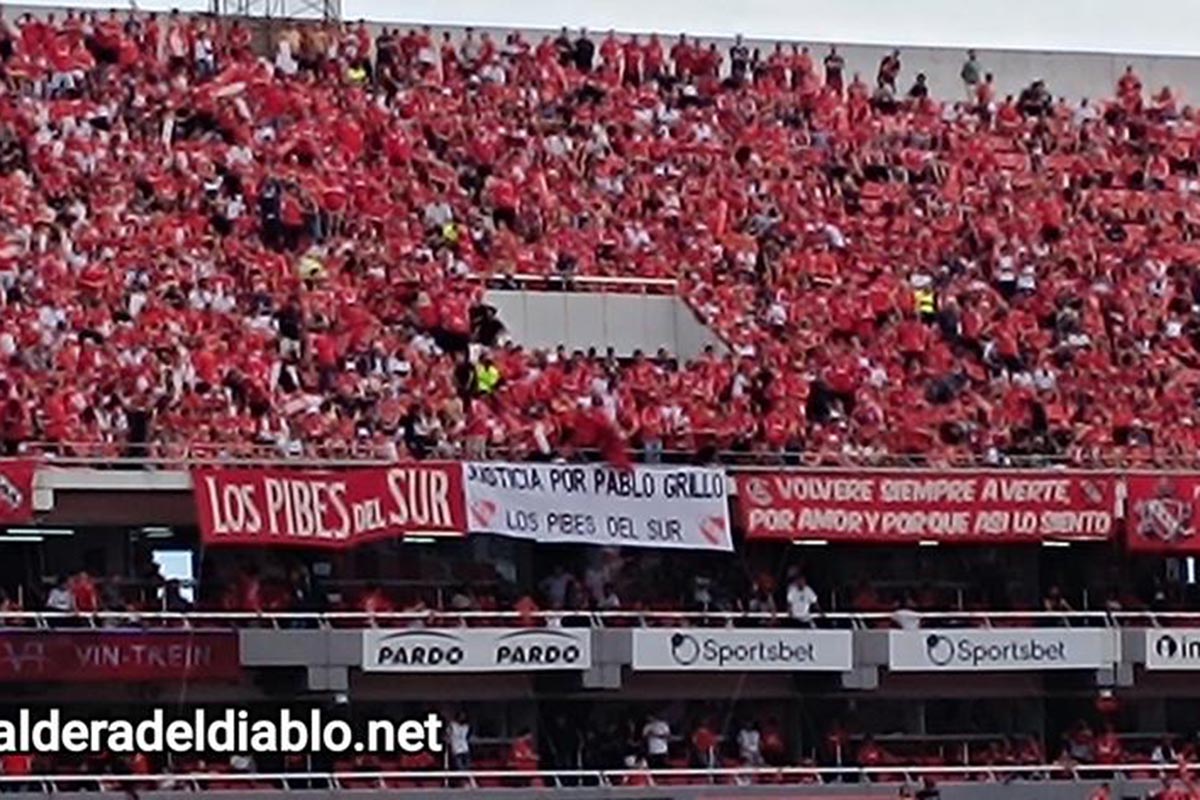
pixel 912 340
pixel 522 754
pixel 631 62
pixel 83 588
pixel 593 430
pixel 652 57
pixel 683 55
pixel 455 317
pixel 502 193
pixel 375 601
pixel 1108 747
pixel 1173 790
pixel 704 746
pixel 16 765
pixel 870 754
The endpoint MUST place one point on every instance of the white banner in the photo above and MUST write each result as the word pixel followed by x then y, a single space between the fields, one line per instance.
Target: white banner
pixel 742 650
pixel 476 649
pixel 1173 648
pixel 982 650
pixel 680 507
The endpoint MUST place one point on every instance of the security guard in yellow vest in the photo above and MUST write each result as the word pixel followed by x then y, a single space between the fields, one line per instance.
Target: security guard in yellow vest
pixel 925 301
pixel 487 376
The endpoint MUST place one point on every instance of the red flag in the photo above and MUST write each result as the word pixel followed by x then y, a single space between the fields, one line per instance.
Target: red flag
pixel 594 430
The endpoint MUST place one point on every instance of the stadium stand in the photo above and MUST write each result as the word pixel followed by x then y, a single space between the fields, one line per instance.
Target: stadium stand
pixel 202 248
pixel 224 247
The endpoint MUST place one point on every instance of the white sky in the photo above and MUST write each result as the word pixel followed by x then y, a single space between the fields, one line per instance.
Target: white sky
pixel 1167 27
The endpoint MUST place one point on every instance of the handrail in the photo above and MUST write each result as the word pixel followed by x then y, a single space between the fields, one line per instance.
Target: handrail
pixel 578 280
pixel 598 619
pixel 623 776
pixel 106 455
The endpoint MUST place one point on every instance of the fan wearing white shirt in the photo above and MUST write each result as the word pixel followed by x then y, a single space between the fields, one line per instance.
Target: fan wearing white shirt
pixel 459 735
pixel 60 598
pixel 656 734
pixel 750 745
pixel 801 601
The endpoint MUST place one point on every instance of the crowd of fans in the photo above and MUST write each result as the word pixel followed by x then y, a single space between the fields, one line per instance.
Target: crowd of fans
pixel 739 749
pixel 602 587
pixel 200 245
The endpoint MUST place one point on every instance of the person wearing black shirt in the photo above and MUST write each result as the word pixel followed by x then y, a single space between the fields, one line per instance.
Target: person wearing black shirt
pixel 1035 100
pixel 889 70
pixel 739 61
pixel 920 89
pixel 835 68
pixel 584 52
pixel 565 48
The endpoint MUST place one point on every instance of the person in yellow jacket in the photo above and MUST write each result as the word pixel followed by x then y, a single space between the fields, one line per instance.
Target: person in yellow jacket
pixel 487 375
pixel 924 298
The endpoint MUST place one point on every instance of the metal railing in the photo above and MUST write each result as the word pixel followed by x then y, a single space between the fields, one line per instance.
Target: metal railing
pixel 616 777
pixel 58 620
pixel 181 455
pixel 533 280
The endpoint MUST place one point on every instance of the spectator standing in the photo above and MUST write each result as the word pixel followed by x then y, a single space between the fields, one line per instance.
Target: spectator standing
pixel 523 754
pixel 749 740
pixel 565 48
pixel 762 601
pixel 459 735
pixel 85 597
pixel 61 599
pixel 920 89
pixel 1109 749
pixel 906 616
pixel 555 586
pixel 487 375
pixel 971 73
pixel 801 68
pixel 656 737
pixel 835 70
pixel 172 598
pixel 889 70
pixel 704 746
pixel 585 51
pixel 609 600
pixel 801 601
pixel 1164 752
pixel 985 93
pixel 739 61
pixel 1054 602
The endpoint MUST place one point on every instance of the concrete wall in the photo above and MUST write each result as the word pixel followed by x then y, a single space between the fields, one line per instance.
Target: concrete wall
pixel 580 320
pixel 1072 73
pixel 1069 75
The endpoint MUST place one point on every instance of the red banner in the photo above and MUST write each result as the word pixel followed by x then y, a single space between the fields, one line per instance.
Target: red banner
pixel 16 490
pixel 329 509
pixel 944 506
pixel 118 656
pixel 1162 512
